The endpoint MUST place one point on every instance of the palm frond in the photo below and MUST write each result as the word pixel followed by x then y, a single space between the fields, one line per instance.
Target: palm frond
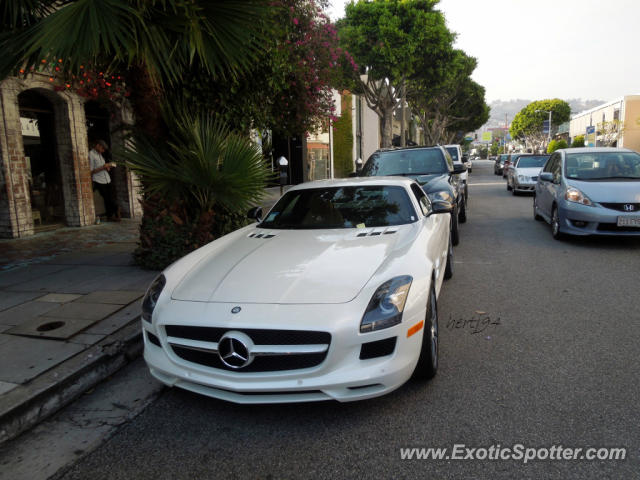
pixel 201 164
pixel 165 35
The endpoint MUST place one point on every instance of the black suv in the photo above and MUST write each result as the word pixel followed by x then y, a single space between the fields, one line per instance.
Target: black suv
pixel 432 168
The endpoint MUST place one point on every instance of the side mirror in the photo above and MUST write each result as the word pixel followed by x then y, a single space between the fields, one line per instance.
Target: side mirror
pixel 546 176
pixel 457 168
pixel 441 206
pixel 255 214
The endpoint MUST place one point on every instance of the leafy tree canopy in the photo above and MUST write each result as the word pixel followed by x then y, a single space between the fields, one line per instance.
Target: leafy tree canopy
pixel 530 119
pixel 454 104
pixel 288 89
pixel 396 39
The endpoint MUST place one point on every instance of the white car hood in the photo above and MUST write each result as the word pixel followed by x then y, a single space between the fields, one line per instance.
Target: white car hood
pixel 293 266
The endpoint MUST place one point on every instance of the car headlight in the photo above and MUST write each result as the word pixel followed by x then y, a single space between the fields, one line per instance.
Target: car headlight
pixel 387 304
pixel 151 297
pixel 441 196
pixel 574 195
pixel 524 178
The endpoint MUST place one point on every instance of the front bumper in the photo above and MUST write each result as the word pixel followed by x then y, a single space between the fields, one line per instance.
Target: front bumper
pixel 577 219
pixel 341 376
pixel 524 186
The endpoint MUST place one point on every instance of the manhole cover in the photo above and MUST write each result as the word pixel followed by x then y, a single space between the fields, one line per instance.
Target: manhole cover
pixel 47 327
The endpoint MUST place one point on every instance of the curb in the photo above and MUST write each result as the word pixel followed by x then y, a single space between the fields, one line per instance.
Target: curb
pixel 27 405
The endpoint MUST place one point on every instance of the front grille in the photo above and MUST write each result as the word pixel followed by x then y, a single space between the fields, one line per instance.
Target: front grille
pixel 276 363
pixel 620 207
pixel 258 335
pixel 613 227
pixel 267 363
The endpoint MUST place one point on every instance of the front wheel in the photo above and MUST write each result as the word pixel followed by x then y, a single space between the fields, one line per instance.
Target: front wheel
pixel 427 365
pixel 536 216
pixel 555 224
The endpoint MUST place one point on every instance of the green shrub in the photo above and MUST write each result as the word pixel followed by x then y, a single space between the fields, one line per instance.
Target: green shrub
pixel 578 141
pixel 556 145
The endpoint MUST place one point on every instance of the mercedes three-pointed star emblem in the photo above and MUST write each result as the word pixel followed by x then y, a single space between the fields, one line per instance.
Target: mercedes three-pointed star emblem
pixel 234 349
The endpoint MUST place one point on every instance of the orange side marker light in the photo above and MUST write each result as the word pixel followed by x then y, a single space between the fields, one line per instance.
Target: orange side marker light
pixel 415 329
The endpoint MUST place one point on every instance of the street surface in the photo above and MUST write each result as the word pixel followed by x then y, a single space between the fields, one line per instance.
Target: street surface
pixel 556 363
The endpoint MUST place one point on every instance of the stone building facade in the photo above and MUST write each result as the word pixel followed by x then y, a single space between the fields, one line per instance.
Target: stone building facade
pixel 53 182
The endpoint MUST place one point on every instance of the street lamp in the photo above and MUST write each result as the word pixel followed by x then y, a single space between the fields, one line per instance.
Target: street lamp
pixel 549 112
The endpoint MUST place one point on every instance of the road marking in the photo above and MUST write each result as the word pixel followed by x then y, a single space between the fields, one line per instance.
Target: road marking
pixel 483 184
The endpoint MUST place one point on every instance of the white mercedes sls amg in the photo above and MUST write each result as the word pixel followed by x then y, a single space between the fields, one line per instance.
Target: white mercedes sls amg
pixel 333 295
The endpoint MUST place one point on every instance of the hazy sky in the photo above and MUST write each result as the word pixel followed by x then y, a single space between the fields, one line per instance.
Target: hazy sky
pixel 535 49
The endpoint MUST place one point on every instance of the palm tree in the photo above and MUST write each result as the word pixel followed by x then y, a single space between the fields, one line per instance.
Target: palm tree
pixel 156 41
pixel 197 183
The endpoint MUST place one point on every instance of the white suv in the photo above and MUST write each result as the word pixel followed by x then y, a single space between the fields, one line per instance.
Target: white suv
pixel 456 153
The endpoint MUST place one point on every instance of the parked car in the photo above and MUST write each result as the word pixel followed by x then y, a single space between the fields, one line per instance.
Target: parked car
pixel 498 167
pixel 468 162
pixel 590 191
pixel 433 168
pixel 523 174
pixel 456 154
pixel 332 296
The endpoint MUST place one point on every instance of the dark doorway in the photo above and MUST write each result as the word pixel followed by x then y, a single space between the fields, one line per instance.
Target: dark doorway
pixel 97 123
pixel 291 149
pixel 41 154
pixel 98 129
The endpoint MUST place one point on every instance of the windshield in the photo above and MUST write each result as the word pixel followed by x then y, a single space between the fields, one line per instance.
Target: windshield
pixel 341 207
pixel 532 161
pixel 503 158
pixel 453 151
pixel 602 166
pixel 421 161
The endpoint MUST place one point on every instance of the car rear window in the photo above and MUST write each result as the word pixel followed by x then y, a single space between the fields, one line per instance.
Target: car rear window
pixel 342 207
pixel 421 161
pixel 532 161
pixel 453 151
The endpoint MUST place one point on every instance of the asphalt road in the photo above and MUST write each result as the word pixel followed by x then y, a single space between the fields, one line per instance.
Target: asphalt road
pixel 557 365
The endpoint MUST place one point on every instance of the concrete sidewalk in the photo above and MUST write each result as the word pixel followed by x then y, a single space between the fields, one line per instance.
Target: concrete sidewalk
pixel 69 310
pixel 69 315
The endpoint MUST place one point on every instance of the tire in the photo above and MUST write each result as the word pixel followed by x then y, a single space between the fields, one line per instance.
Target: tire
pixel 514 192
pixel 555 224
pixel 427 365
pixel 448 269
pixel 455 234
pixel 462 213
pixel 508 186
pixel 535 211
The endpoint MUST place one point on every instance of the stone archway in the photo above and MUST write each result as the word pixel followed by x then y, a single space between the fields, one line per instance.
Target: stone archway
pixel 16 214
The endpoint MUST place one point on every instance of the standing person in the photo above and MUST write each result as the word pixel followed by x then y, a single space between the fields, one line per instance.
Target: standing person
pixel 101 178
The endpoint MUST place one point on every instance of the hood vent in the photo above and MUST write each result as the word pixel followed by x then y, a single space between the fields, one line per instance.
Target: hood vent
pixel 375 233
pixel 261 235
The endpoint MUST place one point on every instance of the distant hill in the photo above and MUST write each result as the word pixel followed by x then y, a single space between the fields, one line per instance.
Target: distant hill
pixel 511 107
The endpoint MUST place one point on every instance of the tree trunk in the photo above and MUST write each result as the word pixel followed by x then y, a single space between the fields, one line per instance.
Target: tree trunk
pixel 386 125
pixel 403 99
pixel 145 99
